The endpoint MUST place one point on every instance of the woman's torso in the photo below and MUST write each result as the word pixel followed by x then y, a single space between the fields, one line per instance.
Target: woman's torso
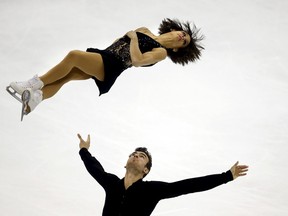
pixel 121 47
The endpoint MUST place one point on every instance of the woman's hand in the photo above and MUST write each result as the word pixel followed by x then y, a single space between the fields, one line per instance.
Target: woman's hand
pixel 131 34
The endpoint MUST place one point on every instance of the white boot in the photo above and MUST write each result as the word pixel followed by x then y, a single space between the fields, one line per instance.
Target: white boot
pixel 35 98
pixel 34 84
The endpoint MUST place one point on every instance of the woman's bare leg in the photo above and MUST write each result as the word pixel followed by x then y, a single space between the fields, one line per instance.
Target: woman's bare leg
pixel 75 74
pixel 89 63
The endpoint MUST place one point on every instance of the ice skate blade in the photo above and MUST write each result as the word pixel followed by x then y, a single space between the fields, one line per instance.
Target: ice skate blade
pixel 24 100
pixel 13 93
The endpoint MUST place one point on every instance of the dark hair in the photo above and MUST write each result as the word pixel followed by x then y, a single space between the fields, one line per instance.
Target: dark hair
pixel 192 51
pixel 145 150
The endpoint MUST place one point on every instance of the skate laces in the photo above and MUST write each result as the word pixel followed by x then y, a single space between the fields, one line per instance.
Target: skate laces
pixel 35 82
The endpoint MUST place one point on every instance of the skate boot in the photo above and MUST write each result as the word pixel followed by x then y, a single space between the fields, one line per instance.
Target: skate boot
pixel 30 99
pixel 16 89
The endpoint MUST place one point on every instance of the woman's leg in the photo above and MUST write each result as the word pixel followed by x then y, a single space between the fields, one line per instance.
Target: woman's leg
pixel 89 63
pixel 75 74
pixel 77 65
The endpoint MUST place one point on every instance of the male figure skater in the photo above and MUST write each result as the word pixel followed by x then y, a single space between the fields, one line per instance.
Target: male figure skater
pixel 131 196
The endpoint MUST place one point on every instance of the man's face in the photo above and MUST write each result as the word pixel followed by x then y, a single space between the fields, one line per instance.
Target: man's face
pixel 138 161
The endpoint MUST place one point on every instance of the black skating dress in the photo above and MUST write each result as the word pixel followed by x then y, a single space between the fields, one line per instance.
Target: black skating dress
pixel 116 58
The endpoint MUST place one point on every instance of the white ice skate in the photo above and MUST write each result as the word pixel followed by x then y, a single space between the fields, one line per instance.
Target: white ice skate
pixel 16 89
pixel 30 99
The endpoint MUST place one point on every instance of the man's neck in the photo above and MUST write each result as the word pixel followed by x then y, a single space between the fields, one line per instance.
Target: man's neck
pixel 131 178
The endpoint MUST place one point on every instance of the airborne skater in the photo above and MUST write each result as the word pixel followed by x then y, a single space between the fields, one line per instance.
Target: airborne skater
pixel 136 48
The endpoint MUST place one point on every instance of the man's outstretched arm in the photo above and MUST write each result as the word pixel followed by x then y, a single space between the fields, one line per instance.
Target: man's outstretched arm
pixel 198 184
pixel 92 165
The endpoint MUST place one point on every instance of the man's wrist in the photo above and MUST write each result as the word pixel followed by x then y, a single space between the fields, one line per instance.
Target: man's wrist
pixel 83 148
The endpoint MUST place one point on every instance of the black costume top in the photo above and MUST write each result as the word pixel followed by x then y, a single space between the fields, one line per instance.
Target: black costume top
pixel 116 58
pixel 141 197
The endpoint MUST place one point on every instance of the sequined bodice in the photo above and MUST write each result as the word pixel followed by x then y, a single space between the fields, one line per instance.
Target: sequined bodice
pixel 121 47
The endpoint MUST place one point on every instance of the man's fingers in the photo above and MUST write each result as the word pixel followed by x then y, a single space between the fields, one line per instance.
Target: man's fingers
pixel 88 139
pixel 243 166
pixel 79 136
pixel 241 170
pixel 236 163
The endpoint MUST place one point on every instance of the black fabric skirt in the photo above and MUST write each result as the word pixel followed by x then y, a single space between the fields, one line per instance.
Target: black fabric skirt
pixel 113 67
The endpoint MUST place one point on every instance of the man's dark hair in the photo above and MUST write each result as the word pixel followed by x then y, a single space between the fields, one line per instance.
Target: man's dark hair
pixel 192 51
pixel 145 150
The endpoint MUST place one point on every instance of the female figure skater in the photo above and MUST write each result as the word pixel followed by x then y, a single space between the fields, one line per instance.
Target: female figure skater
pixel 136 48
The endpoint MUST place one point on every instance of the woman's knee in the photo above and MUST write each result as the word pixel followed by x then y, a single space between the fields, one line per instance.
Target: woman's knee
pixel 73 55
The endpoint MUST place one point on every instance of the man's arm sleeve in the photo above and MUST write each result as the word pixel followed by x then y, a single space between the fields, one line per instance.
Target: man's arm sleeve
pixel 93 166
pixel 192 185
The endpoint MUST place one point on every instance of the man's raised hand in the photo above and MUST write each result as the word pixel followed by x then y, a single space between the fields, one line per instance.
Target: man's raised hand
pixel 84 144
